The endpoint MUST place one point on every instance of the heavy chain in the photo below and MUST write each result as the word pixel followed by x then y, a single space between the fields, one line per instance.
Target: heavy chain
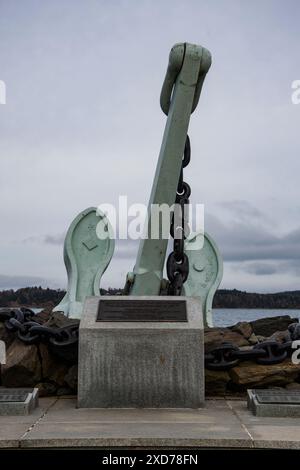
pixel 227 355
pixel 62 341
pixel 178 262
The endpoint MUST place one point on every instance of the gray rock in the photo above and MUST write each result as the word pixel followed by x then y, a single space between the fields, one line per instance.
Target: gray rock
pixel 253 339
pixel 71 378
pixel 243 328
pixel 23 366
pixel 213 337
pixel 280 336
pixel 268 326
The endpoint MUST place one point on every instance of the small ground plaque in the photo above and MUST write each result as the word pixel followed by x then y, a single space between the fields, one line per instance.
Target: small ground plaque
pixel 17 401
pixel 274 403
pixel 142 310
pixel 286 397
pixel 12 397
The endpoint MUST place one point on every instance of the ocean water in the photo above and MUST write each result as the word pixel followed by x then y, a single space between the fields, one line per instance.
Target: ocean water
pixel 230 316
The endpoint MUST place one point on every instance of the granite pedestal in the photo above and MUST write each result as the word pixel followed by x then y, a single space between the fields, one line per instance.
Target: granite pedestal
pixel 148 364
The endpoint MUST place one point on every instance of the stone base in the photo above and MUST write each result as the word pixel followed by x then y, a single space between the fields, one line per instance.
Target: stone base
pixel 148 364
pixel 17 408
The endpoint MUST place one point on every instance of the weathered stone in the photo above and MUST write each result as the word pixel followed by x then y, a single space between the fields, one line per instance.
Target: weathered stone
pixel 5 336
pixel 243 328
pixel 293 386
pixel 215 336
pixel 59 320
pixel 42 317
pixel 71 378
pixel 253 339
pixel 260 338
pixel 23 366
pixel 46 389
pixel 280 336
pixel 216 382
pixel 63 391
pixel 268 326
pixel 53 370
pixel 251 375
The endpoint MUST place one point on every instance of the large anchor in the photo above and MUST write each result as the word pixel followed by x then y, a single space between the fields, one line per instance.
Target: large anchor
pixel 191 271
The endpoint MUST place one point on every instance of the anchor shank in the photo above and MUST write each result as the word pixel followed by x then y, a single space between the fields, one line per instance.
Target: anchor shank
pixel 187 69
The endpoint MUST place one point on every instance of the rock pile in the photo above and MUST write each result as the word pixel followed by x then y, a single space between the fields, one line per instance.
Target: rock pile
pixel 37 365
pixel 248 374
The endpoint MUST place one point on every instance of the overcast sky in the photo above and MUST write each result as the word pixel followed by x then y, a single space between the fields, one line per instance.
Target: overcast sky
pixel 82 125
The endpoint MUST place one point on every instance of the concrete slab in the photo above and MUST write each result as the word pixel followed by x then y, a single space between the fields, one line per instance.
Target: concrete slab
pixel 135 434
pixel 11 434
pixel 267 432
pixel 65 426
pixel 222 423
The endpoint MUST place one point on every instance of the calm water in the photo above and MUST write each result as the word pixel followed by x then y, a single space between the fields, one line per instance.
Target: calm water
pixel 230 316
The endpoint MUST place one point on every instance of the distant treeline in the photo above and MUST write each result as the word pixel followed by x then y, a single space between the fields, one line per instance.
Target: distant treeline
pixel 234 298
pixel 224 298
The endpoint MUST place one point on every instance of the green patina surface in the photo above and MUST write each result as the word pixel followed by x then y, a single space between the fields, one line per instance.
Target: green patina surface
pixel 86 258
pixel 188 65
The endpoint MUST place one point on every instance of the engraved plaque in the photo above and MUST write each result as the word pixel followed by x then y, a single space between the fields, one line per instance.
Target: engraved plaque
pixel 13 396
pixel 284 397
pixel 142 310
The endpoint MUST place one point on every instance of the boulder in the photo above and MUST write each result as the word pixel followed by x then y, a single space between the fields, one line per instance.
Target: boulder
pixel 53 370
pixel 280 336
pixel 216 382
pixel 243 328
pixel 23 366
pixel 251 375
pixel 5 336
pixel 293 386
pixel 58 320
pixel 46 389
pixel 268 326
pixel 71 378
pixel 253 339
pixel 215 336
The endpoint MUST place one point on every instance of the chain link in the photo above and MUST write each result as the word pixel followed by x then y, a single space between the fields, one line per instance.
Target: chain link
pixel 227 355
pixel 178 262
pixel 62 341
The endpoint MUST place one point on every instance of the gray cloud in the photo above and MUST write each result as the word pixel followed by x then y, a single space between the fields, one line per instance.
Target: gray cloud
pixel 16 282
pixel 54 239
pixel 73 135
pixel 271 267
pixel 243 210
pixel 259 269
pixel 244 241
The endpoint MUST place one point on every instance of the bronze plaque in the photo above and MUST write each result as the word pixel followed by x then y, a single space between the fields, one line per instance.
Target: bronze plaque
pixel 142 310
